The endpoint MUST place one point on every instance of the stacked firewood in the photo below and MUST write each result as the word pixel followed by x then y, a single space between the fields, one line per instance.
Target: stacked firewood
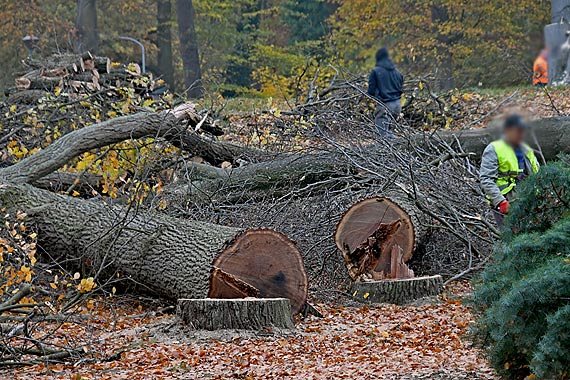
pixel 77 75
pixel 63 93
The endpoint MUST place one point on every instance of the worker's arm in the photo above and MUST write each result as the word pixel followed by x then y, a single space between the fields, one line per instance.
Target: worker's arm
pixel 489 174
pixel 372 85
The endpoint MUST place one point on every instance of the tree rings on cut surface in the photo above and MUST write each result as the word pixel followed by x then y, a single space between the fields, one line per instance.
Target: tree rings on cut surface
pixel 369 233
pixel 260 263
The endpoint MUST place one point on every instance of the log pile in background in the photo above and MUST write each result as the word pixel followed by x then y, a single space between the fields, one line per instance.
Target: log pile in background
pixel 77 74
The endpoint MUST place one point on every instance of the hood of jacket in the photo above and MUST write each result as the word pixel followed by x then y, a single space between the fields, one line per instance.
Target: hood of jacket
pixel 386 63
pixel 383 59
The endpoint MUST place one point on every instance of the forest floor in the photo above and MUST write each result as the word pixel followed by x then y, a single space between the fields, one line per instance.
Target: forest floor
pixel 423 341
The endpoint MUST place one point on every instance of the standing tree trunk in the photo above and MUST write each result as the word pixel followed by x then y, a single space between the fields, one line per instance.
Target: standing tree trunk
pixel 164 41
pixel 86 25
pixel 444 72
pixel 189 48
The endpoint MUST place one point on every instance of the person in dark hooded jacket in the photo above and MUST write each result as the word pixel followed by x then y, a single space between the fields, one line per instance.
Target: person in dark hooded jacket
pixel 386 84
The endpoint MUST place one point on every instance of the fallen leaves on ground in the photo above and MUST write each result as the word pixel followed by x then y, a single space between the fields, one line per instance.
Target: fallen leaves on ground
pixel 367 342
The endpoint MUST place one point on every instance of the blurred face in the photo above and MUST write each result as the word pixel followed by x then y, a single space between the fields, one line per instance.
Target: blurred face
pixel 515 136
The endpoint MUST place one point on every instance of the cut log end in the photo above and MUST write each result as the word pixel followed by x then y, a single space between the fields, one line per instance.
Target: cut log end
pixel 368 234
pixel 261 263
pixel 241 314
pixel 398 292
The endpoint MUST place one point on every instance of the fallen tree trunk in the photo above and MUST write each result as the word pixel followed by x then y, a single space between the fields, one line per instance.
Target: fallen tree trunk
pixel 274 178
pixel 168 257
pixel 552 136
pixel 168 124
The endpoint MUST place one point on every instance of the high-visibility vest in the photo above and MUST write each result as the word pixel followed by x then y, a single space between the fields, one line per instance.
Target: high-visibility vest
pixel 540 71
pixel 509 169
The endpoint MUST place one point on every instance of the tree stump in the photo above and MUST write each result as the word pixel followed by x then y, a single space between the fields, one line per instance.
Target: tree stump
pixel 236 314
pixel 398 292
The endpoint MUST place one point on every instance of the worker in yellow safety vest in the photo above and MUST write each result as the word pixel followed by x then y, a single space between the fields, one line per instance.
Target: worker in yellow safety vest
pixel 505 163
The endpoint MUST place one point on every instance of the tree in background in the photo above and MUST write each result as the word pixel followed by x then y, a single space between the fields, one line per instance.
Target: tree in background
pixel 87 27
pixel 463 41
pixel 307 20
pixel 189 48
pixel 164 41
pixel 270 47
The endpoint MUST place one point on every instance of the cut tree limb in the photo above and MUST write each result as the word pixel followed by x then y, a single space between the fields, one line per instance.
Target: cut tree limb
pixel 169 124
pixel 64 149
pixel 368 232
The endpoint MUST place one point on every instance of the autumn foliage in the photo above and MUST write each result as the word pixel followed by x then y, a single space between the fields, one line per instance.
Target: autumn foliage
pixel 251 47
pixel 524 294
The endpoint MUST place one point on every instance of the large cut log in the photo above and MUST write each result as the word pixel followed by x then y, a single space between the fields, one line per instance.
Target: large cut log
pixel 377 236
pixel 398 292
pixel 242 259
pixel 168 257
pixel 241 314
pixel 552 135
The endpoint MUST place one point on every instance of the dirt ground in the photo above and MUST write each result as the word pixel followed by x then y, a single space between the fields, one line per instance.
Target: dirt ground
pixel 126 341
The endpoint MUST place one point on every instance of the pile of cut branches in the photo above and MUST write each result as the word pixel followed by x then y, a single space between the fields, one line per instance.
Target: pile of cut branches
pixel 147 159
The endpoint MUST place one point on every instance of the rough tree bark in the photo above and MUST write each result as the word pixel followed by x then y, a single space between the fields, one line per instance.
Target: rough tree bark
pixel 189 48
pixel 168 257
pixel 164 41
pixel 398 291
pixel 552 134
pixel 86 25
pixel 242 314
